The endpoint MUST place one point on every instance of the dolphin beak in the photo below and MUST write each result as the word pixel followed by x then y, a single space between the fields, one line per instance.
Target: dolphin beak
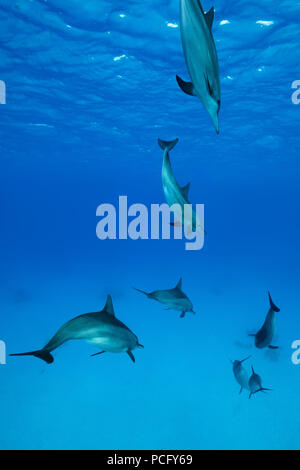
pixel 215 120
pixel 213 112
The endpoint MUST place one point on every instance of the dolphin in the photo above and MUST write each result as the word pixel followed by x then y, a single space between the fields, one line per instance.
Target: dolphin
pixel 200 57
pixel 240 374
pixel 174 299
pixel 255 384
pixel 102 329
pixel 264 337
pixel 175 194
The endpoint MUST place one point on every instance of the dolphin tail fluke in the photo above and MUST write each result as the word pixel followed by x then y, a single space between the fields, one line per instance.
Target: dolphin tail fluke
pixel 272 305
pixel 41 354
pixel 131 356
pixel 167 145
pixel 186 87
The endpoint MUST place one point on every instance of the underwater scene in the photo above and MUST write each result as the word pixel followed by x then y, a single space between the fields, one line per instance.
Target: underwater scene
pixel 115 332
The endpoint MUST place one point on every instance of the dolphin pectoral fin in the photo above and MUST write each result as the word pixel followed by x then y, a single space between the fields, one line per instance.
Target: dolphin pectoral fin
pixel 187 87
pixel 182 315
pixel 241 390
pixel 41 354
pixel 250 395
pixel 209 17
pixel 273 347
pixel 97 354
pixel 262 389
pixel 131 356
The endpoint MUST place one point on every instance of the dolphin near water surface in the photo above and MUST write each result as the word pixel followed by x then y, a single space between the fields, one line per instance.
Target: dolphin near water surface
pixel 201 57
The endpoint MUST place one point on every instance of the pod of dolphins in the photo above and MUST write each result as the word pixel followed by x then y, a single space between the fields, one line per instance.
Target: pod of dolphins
pixel 263 339
pixel 102 329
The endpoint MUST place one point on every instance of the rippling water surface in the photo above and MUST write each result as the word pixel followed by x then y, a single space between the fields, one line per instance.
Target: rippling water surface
pixel 90 88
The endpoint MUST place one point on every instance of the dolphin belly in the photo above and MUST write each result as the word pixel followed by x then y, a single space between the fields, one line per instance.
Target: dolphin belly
pixel 94 329
pixel 174 303
pixel 266 334
pixel 254 386
pixel 173 194
pixel 241 377
pixel 196 41
pixel 119 340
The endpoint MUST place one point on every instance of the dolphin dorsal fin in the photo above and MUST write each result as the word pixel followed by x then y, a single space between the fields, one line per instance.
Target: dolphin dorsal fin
pixel 209 17
pixel 185 190
pixel 272 305
pixel 179 284
pixel 109 308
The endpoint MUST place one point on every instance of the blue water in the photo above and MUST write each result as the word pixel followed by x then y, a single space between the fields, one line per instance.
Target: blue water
pixel 90 88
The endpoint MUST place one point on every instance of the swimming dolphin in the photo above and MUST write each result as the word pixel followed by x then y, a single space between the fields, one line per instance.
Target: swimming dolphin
pixel 174 194
pixel 264 337
pixel 200 57
pixel 240 374
pixel 102 329
pixel 255 384
pixel 174 299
